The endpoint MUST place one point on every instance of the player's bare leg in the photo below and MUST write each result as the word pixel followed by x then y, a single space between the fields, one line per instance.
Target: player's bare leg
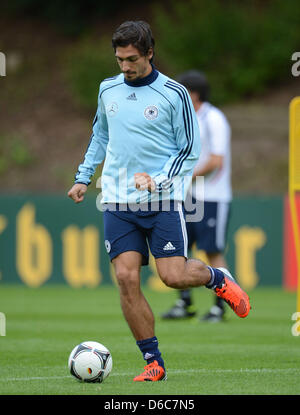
pixel 135 307
pixel 138 314
pixel 177 272
pixel 184 308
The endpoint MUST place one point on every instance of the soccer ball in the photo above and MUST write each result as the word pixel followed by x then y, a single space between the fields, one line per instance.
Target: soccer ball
pixel 90 362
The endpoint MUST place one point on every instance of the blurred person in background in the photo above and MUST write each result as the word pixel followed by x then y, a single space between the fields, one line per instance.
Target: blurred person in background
pixel 214 164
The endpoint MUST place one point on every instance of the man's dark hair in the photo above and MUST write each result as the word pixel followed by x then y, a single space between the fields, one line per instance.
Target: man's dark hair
pixel 195 81
pixel 136 33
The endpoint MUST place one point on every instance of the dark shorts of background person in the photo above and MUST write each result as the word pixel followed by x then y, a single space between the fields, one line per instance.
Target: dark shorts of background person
pixel 210 234
pixel 161 231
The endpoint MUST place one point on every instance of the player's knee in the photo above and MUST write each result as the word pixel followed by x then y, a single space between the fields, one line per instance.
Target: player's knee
pixel 128 280
pixel 172 278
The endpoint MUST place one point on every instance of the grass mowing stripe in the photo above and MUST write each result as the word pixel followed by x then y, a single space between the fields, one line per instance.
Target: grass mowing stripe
pixel 172 371
pixel 33 378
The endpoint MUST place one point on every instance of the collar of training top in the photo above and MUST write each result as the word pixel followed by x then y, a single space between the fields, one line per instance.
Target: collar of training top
pixel 147 80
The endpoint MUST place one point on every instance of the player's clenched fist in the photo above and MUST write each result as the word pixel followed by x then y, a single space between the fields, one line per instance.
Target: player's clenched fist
pixel 77 192
pixel 144 182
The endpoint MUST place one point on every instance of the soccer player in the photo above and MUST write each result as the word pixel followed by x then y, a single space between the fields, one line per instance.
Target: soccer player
pixel 146 129
pixel 214 164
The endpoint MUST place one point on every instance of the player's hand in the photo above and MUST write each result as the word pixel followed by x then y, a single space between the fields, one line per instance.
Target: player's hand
pixel 77 192
pixel 144 182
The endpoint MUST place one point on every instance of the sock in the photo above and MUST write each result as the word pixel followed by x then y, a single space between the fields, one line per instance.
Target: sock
pixel 217 278
pixel 185 295
pixel 150 351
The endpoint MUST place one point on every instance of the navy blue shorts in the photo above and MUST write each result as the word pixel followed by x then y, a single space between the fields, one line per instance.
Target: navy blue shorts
pixel 164 232
pixel 210 233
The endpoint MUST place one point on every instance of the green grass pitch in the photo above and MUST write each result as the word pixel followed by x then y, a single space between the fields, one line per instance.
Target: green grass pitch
pixel 256 355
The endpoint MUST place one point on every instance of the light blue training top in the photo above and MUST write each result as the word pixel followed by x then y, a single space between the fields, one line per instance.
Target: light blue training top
pixel 145 126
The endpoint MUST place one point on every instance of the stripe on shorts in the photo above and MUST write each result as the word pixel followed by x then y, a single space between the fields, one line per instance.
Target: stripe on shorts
pixel 183 228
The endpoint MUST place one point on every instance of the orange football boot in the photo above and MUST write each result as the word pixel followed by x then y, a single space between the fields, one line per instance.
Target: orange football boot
pixel 234 296
pixel 153 373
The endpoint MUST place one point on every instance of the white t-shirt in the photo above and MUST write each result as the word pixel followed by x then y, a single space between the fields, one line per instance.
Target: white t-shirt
pixel 215 136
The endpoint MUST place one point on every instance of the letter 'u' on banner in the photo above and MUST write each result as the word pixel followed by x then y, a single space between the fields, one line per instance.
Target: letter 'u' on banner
pixel 81 254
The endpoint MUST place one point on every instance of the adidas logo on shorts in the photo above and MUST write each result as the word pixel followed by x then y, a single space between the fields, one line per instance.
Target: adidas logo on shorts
pixel 169 247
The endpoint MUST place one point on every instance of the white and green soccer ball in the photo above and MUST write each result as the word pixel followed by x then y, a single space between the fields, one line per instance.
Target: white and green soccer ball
pixel 90 362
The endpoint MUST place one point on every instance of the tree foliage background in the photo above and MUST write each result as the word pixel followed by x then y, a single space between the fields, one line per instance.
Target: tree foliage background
pixel 243 46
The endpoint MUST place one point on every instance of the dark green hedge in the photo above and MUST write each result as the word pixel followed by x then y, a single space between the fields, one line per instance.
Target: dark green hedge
pixel 85 65
pixel 243 46
pixel 71 16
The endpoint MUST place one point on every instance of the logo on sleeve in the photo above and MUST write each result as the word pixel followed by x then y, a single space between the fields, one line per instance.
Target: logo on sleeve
pixel 151 112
